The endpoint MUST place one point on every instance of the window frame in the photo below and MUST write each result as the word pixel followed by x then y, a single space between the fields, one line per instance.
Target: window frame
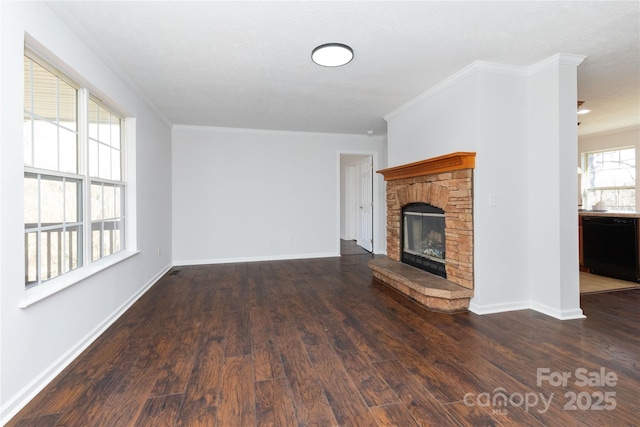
pixel 586 189
pixel 64 226
pixel 87 266
pixel 96 179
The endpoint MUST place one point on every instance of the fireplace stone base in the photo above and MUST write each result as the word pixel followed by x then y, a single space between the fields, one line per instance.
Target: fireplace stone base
pixel 433 292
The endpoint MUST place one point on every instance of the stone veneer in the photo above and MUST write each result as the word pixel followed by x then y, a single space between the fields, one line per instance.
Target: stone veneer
pixel 447 183
pixel 451 192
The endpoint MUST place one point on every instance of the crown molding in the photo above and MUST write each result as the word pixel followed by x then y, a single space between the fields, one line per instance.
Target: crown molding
pixel 466 72
pixel 222 129
pixel 489 67
pixel 625 129
pixel 557 59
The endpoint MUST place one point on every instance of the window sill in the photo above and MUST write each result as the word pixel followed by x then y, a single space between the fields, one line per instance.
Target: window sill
pixel 45 290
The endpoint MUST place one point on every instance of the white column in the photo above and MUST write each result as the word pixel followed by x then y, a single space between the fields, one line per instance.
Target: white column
pixel 553 278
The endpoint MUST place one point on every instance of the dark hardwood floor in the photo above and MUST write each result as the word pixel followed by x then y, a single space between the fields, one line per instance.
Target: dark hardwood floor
pixel 350 247
pixel 319 343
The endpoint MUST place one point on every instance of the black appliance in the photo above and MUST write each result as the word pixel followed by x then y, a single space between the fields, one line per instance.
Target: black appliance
pixel 610 246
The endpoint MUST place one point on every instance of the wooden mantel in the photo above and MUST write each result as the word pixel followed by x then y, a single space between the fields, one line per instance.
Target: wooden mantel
pixel 446 163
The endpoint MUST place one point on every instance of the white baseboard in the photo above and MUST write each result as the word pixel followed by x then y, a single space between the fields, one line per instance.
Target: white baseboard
pixel 13 405
pixel 526 305
pixel 253 259
pixel 498 308
pixel 558 314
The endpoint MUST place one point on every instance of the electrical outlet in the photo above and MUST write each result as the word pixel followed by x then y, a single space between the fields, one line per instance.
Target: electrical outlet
pixel 493 200
pixel 158 251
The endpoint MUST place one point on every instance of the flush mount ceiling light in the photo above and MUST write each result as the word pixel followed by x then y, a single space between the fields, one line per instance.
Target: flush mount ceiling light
pixel 332 54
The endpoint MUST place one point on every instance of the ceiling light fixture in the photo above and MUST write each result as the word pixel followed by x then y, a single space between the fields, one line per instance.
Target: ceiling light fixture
pixel 332 54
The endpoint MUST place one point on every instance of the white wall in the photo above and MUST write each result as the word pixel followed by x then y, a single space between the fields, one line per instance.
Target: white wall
pixel 39 340
pixel 440 122
pixel 628 137
pixel 485 108
pixel 501 170
pixel 244 195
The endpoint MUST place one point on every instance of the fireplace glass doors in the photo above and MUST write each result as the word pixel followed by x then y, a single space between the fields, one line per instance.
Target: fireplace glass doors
pixel 423 243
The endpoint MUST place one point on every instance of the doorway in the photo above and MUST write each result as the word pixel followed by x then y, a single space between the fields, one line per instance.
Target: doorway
pixel 356 203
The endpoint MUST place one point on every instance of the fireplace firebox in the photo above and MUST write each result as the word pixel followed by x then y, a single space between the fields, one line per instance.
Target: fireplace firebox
pixel 423 237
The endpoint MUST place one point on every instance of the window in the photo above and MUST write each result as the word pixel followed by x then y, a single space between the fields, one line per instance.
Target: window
pixel 73 175
pixel 611 177
pixel 107 189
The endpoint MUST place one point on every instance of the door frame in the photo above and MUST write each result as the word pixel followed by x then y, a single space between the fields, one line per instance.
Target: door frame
pixel 378 202
pixel 349 186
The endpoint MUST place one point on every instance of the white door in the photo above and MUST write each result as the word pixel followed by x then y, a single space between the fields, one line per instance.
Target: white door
pixel 351 203
pixel 365 199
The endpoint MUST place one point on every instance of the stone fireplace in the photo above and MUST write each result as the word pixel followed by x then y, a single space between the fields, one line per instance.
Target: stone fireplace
pixel 446 183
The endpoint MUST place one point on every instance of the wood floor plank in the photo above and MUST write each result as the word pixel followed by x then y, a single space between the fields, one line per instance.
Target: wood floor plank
pixel 311 329
pixel 366 341
pixel 205 385
pixel 257 290
pixel 238 333
pixel 308 398
pixel 516 371
pixel 421 404
pixel 348 405
pixel 127 402
pixel 473 416
pixel 92 403
pixel 370 384
pixel 202 297
pixel 240 290
pixel 472 362
pixel 84 376
pixel 50 420
pixel 394 414
pixel 273 405
pixel 160 411
pixel 175 373
pixel 266 356
pixel 237 395
pixel 69 388
pixel 149 353
pixel 447 381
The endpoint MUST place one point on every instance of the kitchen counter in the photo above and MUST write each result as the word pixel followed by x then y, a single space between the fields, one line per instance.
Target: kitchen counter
pixel 615 214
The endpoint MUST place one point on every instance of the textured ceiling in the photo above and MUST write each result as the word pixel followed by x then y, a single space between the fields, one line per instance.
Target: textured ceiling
pixel 248 65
